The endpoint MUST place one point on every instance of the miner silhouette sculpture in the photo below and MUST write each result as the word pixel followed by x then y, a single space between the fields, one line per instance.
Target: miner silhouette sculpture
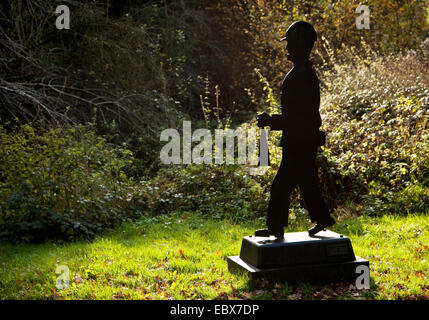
pixel 300 122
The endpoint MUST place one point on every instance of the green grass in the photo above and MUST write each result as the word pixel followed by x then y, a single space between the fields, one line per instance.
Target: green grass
pixel 183 256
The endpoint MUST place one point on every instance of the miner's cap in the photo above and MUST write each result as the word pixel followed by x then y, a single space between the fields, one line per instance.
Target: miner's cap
pixel 302 29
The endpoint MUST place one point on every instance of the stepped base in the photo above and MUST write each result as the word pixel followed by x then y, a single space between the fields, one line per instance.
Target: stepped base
pixel 327 272
pixel 328 256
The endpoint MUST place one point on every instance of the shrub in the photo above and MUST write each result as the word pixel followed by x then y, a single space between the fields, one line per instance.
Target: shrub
pixel 61 183
pixel 216 190
pixel 380 200
pixel 377 118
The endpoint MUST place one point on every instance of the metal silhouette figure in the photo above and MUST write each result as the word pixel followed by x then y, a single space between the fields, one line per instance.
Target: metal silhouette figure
pixel 300 122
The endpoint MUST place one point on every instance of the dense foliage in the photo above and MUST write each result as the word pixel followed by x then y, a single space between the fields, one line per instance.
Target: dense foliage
pixel 61 183
pixel 133 68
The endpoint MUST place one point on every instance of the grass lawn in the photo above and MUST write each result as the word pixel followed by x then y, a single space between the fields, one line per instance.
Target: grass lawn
pixel 183 256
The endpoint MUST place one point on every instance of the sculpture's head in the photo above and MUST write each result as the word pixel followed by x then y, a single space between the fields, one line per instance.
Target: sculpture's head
pixel 300 38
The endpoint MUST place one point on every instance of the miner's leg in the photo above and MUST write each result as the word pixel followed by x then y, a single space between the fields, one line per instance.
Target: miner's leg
pixel 309 186
pixel 278 206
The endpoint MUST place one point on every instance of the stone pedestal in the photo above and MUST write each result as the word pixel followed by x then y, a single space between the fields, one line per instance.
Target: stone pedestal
pixel 325 257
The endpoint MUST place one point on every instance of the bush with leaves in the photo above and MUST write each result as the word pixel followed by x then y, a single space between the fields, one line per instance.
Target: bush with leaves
pixel 215 190
pixel 61 183
pixel 376 111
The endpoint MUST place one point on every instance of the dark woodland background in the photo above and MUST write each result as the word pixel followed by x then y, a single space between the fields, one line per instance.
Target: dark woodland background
pixel 81 110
